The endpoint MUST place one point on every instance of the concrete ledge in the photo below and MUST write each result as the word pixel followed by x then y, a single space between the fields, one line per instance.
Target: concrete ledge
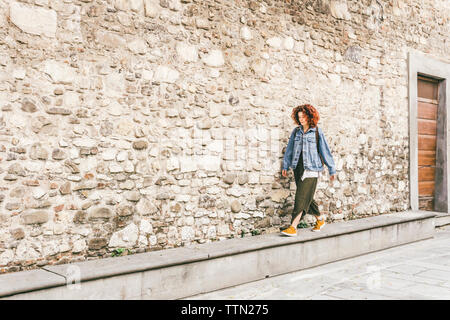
pixel 181 272
pixel 442 219
pixel 25 281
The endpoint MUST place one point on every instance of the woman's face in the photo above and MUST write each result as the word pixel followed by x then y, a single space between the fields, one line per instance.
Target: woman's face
pixel 303 118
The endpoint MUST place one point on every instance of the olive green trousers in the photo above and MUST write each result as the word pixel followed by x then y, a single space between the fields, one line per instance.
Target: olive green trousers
pixel 304 202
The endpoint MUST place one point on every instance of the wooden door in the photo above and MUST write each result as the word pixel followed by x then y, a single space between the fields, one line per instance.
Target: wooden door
pixel 427 113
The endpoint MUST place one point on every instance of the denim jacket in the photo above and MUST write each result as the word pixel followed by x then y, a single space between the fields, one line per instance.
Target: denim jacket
pixel 306 143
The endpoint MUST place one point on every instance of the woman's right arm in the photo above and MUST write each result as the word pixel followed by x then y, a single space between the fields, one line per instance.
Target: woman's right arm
pixel 288 153
pixel 326 153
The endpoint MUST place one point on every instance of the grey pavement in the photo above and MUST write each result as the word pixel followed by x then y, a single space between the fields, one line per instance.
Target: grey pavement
pixel 419 270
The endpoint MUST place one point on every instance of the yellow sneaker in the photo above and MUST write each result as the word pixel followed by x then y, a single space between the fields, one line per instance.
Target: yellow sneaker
pixel 291 231
pixel 319 225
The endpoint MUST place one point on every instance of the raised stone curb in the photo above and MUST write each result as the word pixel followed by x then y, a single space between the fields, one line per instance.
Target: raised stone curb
pixel 185 271
pixel 442 219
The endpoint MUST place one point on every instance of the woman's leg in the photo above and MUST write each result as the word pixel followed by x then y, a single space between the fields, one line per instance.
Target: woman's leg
pixel 314 210
pixel 296 214
pixel 300 203
pixel 296 220
pixel 303 199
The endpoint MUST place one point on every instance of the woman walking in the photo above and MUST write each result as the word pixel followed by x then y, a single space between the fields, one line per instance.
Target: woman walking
pixel 306 152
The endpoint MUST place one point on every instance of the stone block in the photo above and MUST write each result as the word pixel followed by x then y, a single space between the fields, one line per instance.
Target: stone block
pixel 99 213
pixel 97 243
pixel 214 59
pixel 125 238
pixel 33 20
pixel 36 217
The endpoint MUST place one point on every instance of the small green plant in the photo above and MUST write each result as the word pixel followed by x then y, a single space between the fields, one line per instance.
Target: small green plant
pixel 118 252
pixel 242 233
pixel 256 232
pixel 302 224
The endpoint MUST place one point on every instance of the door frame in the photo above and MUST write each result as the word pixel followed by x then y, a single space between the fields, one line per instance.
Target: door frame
pixel 420 64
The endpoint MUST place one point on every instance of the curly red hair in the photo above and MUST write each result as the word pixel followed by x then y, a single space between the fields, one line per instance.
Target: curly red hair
pixel 309 111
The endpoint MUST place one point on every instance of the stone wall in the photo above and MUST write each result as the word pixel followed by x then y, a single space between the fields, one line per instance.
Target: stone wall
pixel 151 124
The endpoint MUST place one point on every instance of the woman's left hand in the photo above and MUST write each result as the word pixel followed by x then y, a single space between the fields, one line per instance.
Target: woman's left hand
pixel 332 177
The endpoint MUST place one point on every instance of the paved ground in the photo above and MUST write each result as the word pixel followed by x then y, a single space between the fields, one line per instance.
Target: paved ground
pixel 419 270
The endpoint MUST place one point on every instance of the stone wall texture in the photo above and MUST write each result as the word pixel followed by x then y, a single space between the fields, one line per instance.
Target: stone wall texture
pixel 152 124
